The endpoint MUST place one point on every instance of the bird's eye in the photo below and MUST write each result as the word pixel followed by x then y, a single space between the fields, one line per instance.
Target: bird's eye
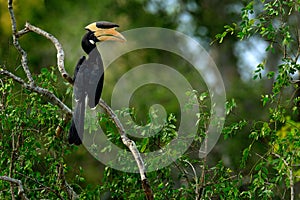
pixel 92 41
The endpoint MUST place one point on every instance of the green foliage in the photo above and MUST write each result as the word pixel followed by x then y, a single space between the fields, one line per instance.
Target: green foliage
pixel 274 174
pixel 30 149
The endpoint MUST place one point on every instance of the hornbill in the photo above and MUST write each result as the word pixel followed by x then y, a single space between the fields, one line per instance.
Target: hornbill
pixel 89 74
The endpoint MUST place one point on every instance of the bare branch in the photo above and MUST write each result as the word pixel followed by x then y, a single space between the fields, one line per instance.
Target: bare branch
pixel 60 60
pixel 17 45
pixel 129 143
pixel 131 146
pixel 38 90
pixel 58 46
pixel 28 28
pixel 22 32
pixel 21 191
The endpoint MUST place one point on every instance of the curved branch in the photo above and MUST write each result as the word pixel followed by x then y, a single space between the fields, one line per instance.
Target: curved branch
pixel 38 90
pixel 21 191
pixel 58 46
pixel 29 27
pixel 132 147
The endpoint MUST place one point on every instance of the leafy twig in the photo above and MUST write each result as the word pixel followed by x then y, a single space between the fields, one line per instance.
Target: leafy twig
pixel 290 175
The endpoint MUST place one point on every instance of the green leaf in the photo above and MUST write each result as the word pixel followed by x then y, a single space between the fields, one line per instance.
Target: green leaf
pixel 145 143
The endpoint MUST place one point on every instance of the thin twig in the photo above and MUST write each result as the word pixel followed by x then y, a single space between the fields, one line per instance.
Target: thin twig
pixel 197 189
pixel 132 147
pixel 64 184
pixel 17 45
pixel 21 191
pixel 11 165
pixel 39 90
pixel 22 32
pixel 44 187
pixel 202 178
pixel 290 176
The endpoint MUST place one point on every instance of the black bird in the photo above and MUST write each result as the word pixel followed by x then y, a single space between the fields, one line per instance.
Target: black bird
pixel 89 74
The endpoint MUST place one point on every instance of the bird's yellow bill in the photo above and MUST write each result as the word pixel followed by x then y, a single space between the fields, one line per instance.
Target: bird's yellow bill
pixel 109 34
pixel 104 34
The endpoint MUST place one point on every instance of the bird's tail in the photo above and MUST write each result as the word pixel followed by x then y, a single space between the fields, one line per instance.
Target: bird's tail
pixel 77 125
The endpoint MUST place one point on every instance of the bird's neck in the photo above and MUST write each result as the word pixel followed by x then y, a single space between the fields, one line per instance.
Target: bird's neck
pixel 86 45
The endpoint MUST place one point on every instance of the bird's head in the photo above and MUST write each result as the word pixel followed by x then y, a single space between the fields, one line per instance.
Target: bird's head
pixel 99 32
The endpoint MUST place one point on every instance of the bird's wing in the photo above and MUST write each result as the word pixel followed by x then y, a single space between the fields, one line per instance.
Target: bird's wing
pixel 79 80
pixel 77 126
pixel 95 78
pixel 78 65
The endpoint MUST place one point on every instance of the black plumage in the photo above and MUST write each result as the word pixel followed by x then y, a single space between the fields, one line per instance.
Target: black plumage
pixel 89 75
